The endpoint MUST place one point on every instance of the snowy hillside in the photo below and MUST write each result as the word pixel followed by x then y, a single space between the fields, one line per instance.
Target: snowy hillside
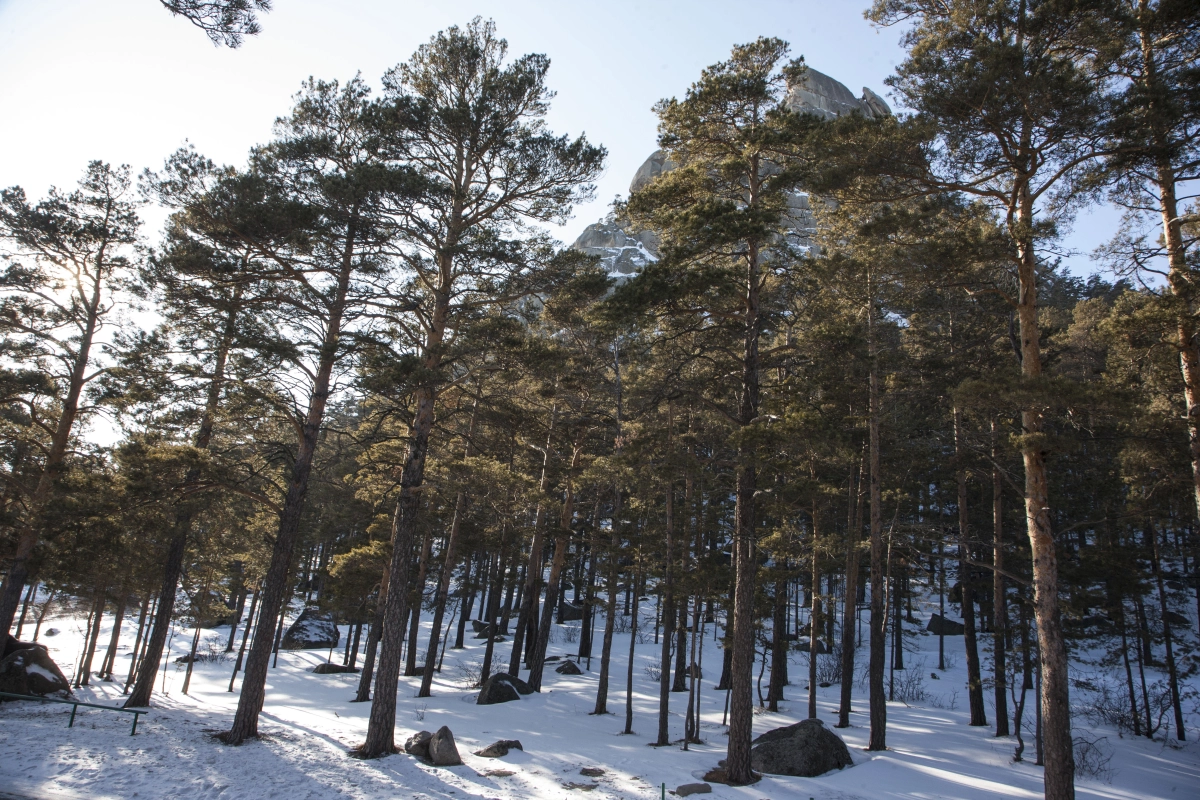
pixel 310 725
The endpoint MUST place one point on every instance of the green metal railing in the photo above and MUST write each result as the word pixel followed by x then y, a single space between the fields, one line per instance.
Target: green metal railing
pixel 75 704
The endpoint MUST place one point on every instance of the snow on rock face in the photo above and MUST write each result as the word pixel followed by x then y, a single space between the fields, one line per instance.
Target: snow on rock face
pixel 312 630
pixel 624 251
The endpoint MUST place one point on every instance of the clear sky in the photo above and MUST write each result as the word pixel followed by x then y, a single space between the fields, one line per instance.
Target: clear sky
pixel 124 81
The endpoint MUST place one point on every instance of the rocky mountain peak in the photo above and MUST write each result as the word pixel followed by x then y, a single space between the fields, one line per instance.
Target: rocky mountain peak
pixel 624 251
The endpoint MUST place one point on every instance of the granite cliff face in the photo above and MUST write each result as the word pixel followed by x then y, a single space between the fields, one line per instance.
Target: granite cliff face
pixel 624 251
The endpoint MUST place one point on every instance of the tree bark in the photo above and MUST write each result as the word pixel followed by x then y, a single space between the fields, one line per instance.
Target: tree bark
pixel 668 614
pixel 878 705
pixel 999 605
pixel 1055 701
pixel 850 603
pixel 965 578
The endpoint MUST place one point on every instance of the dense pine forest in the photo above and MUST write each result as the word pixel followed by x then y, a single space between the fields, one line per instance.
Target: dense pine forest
pixel 819 393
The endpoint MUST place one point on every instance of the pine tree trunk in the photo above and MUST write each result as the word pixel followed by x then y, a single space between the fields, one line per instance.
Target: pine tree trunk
pixel 668 615
pixel 999 606
pixel 779 645
pixel 363 694
pixel 553 585
pixel 966 580
pixel 418 598
pixel 250 621
pixel 633 631
pixel 449 563
pixel 533 570
pixel 850 603
pixel 814 619
pixel 110 656
pixel 1172 672
pixel 239 605
pixel 85 669
pixel 878 705
pixel 610 609
pixel 1055 701
pixel 33 585
pixel 468 604
pixel 493 611
pixel 137 642
pixel 680 683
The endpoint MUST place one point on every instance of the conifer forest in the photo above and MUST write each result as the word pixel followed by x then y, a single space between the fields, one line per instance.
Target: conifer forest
pixel 818 466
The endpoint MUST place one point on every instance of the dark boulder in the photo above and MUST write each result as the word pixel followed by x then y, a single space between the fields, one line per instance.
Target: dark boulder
pixel 939 625
pixel 1175 618
pixel 442 750
pixel 806 749
pixel 568 668
pixel 333 669
pixel 500 688
pixel 418 745
pixel 12 645
pixel 312 630
pixel 521 686
pixel 692 788
pixel 569 612
pixel 499 749
pixel 479 626
pixel 31 671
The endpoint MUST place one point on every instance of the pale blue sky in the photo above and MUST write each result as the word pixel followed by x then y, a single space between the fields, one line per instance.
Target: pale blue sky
pixel 123 81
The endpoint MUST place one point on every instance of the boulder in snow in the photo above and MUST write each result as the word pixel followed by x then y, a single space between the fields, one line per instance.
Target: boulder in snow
pixel 500 688
pixel 942 626
pixel 806 749
pixel 568 668
pixel 499 749
pixel 312 630
pixel 30 670
pixel 418 745
pixel 821 648
pixel 692 788
pixel 333 669
pixel 569 612
pixel 442 750
pixel 1176 618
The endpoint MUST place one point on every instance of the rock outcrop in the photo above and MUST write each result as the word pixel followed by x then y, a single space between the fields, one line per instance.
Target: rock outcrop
pixel 568 668
pixel 624 251
pixel 806 749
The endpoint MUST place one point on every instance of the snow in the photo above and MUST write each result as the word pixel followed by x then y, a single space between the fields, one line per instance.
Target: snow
pixel 309 725
pixel 36 669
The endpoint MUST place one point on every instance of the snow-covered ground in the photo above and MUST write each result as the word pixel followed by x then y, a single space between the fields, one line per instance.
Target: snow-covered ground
pixel 309 725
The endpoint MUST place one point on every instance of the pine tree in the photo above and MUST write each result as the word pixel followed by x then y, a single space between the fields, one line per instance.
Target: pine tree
pixel 1015 120
pixel 479 142
pixel 70 268
pixel 722 215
